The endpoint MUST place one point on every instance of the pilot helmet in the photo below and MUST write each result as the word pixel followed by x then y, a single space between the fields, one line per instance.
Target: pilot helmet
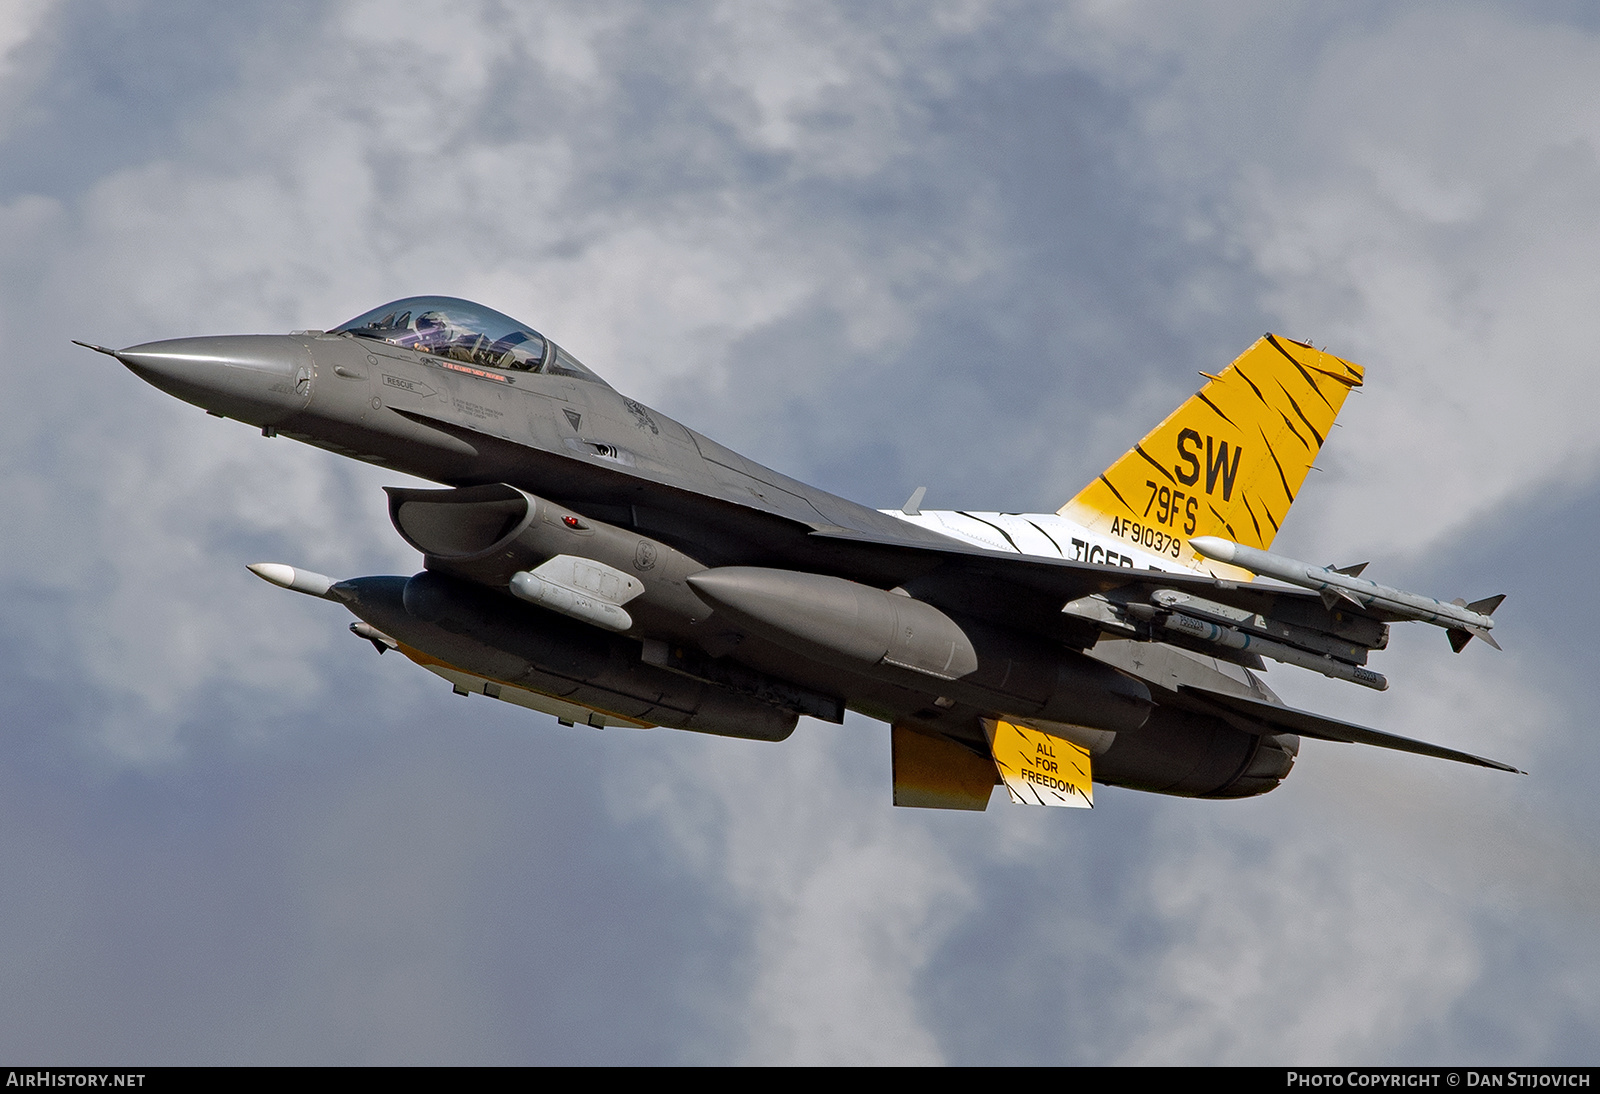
pixel 433 328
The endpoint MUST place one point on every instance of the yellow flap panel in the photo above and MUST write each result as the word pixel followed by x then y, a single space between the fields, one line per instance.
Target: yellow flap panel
pixel 1229 461
pixel 1039 769
pixel 933 773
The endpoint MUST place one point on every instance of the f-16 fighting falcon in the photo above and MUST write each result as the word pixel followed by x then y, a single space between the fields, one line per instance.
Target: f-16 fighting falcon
pixel 591 558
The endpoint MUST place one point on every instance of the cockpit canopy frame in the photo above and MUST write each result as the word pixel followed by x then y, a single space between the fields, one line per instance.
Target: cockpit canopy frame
pixel 460 330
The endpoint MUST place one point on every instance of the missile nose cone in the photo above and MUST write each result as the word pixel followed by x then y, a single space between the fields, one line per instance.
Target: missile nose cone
pixel 257 378
pixel 287 577
pixel 1214 547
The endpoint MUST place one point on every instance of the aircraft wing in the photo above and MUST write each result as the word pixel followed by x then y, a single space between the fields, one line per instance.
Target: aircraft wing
pixel 995 585
pixel 988 583
pixel 1306 724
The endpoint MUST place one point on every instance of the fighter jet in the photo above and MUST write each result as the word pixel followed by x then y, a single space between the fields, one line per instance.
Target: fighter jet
pixel 589 557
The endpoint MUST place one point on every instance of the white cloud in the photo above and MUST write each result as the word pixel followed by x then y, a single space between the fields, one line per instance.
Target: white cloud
pixel 848 901
pixel 1417 192
pixel 1292 951
pixel 24 53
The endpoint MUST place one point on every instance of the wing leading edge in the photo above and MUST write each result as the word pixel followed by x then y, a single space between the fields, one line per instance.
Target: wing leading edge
pixel 1306 724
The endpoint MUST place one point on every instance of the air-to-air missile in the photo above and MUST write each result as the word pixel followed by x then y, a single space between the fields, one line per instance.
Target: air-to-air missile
pixel 1461 620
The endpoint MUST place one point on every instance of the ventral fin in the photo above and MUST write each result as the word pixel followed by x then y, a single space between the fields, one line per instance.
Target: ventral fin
pixel 1039 769
pixel 937 773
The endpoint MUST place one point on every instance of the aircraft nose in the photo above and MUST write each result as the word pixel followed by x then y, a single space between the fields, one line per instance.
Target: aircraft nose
pixel 257 378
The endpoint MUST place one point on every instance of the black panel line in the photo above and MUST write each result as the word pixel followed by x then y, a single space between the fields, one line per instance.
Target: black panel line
pixel 1252 513
pixel 1114 490
pixel 1252 384
pixel 1302 369
pixel 1202 397
pixel 1302 414
pixel 997 528
pixel 1156 465
pixel 1281 476
pixel 1049 537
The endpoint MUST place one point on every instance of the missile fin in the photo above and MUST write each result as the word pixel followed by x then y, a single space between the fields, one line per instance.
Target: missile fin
pixel 1487 605
pixel 1460 636
pixel 1349 571
pixel 1332 597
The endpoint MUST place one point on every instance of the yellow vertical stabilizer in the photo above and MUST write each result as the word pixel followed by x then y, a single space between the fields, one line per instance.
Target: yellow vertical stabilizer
pixel 1229 461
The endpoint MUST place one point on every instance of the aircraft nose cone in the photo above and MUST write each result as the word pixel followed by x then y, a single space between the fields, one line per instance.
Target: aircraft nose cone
pixel 256 378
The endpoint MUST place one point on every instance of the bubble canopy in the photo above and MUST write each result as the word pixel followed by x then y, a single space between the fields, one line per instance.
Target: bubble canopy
pixel 463 331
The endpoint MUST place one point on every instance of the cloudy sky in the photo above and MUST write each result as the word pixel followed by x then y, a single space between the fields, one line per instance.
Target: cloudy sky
pixel 980 246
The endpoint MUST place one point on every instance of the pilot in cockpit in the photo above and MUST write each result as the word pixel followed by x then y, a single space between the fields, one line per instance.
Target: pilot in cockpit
pixel 433 332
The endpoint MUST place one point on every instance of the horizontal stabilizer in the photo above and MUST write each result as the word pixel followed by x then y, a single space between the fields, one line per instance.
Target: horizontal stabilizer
pixel 1306 724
